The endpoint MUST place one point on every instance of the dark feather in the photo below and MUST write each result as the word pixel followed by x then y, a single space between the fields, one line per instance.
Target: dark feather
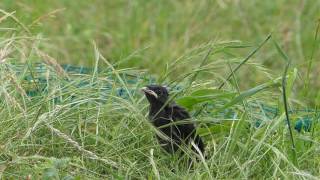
pixel 166 118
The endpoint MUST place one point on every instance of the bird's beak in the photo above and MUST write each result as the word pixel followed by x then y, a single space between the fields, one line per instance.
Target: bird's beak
pixel 146 90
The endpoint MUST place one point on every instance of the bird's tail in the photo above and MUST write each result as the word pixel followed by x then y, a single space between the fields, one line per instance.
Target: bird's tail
pixel 198 141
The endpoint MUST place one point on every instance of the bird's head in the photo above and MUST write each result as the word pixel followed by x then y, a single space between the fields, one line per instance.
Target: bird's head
pixel 156 94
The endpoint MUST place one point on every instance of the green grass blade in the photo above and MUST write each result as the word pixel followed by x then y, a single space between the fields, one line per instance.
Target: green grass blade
pixel 248 93
pixel 245 60
pixel 285 102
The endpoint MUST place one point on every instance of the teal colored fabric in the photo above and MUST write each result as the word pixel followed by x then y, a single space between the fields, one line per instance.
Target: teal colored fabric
pixel 35 76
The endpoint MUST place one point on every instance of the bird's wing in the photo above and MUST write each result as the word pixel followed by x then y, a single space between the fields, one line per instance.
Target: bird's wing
pixel 179 113
pixel 186 129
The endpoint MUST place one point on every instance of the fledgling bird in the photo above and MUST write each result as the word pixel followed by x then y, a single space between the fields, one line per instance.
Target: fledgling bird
pixel 165 115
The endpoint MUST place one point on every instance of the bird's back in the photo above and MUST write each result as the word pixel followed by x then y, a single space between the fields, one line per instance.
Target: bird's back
pixel 187 129
pixel 166 120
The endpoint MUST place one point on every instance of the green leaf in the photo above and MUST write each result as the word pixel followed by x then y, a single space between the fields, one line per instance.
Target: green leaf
pixel 188 101
pixel 221 127
pixel 203 95
pixel 251 92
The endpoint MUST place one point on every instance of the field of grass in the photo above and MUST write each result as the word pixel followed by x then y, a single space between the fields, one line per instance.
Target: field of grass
pixel 246 70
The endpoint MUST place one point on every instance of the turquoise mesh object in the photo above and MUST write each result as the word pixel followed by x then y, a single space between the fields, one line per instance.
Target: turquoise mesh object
pixel 35 79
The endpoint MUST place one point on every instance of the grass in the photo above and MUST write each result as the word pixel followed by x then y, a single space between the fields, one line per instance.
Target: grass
pixel 79 127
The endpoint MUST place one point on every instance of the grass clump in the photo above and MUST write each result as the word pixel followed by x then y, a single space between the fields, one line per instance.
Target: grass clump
pixel 60 124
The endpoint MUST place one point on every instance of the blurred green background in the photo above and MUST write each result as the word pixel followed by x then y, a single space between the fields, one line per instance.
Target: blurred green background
pixel 149 34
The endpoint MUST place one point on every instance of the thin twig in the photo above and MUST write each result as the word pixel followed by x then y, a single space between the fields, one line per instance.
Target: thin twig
pixel 285 103
pixel 236 69
pixel 244 61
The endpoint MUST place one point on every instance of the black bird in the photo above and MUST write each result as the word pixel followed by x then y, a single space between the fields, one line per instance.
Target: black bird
pixel 165 115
